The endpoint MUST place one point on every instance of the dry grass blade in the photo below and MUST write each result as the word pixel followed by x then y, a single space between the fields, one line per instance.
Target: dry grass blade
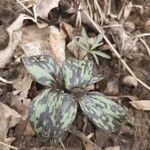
pixel 24 7
pixel 142 35
pixel 62 144
pixel 90 9
pixel 100 11
pixel 146 45
pixel 115 51
pixel 12 147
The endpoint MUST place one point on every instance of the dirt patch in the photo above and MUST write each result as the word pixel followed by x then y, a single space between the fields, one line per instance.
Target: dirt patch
pixel 134 135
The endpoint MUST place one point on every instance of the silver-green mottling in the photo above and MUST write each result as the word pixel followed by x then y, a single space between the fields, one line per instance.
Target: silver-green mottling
pixel 43 69
pixel 104 113
pixel 51 113
pixel 77 73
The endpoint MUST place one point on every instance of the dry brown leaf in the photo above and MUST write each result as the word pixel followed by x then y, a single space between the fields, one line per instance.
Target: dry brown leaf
pixel 35 41
pixel 74 49
pixel 14 38
pixel 43 7
pixel 141 105
pixel 130 81
pixel 57 45
pixel 112 88
pixel 113 148
pixel 9 118
pixel 69 31
pixel 28 131
pixel 21 86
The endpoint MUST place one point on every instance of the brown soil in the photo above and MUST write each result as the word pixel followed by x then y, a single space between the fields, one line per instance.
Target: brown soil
pixel 131 136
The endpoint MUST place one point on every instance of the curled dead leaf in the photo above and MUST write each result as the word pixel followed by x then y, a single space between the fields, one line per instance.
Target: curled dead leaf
pixel 9 118
pixel 112 88
pixel 130 81
pixel 43 7
pixel 141 105
pixel 35 41
pixel 74 49
pixel 14 38
pixel 57 45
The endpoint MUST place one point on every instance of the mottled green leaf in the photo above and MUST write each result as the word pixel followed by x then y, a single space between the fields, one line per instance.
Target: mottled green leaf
pixel 104 113
pixel 77 73
pixel 51 113
pixel 43 69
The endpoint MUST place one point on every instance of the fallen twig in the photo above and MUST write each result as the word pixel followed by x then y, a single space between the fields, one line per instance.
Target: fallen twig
pixel 5 81
pixel 115 51
pixel 20 2
pixel 142 35
pixel 12 147
pixel 79 134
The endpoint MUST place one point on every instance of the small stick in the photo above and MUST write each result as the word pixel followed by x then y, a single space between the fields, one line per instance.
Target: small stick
pixel 24 7
pixel 5 81
pixel 12 147
pixel 115 51
pixel 142 35
pixel 80 135
pixel 62 144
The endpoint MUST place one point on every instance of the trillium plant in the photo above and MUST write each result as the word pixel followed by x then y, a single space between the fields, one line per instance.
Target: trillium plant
pixel 53 110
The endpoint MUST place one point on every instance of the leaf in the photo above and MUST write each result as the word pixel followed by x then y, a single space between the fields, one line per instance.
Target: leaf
pixel 9 118
pixel 141 105
pixel 85 38
pixel 97 42
pixel 57 45
pixel 43 69
pixel 74 48
pixel 13 31
pixel 51 113
pixel 77 73
pixel 96 59
pixel 43 7
pixel 130 81
pixel 101 54
pixel 103 112
pixel 35 41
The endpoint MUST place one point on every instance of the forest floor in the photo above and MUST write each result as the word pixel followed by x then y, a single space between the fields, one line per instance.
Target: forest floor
pixel 126 25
